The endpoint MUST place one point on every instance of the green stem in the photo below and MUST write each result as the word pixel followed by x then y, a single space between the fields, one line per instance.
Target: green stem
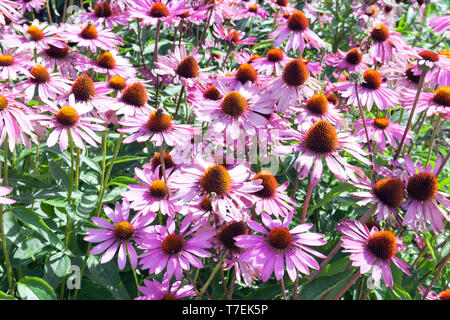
pixel 5 252
pixel 433 135
pixel 72 171
pixel 211 277
pixel 134 272
pixel 5 162
pixel 77 169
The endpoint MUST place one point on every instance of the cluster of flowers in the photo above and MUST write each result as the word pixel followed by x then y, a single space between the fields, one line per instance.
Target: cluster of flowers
pixel 211 206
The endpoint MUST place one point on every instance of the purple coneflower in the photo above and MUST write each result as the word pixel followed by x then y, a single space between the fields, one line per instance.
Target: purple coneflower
pixel 153 290
pixel 175 251
pixel 440 24
pixel 279 248
pixel 372 250
pixel 352 60
pixel 111 63
pixel 29 5
pixel 150 12
pixel 119 234
pixel 430 102
pixel 106 13
pixel 272 63
pixel 232 36
pixel 13 64
pixel 3 192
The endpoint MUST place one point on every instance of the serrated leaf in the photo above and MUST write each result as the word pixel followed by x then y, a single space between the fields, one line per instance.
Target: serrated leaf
pixel 33 221
pixel 34 288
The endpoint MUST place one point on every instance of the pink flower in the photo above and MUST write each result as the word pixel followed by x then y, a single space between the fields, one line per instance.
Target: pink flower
pixel 111 63
pixel 106 13
pixel 14 63
pixel 153 290
pixel 436 102
pixel 272 63
pixel 29 5
pixel 352 60
pixel 297 32
pixel 372 251
pixel 175 251
pixel 232 36
pixel 158 127
pixel 119 234
pixel 424 200
pixel 440 24
pixel 3 192
pixel 279 248
pixel 150 12
pixel 8 11
pixel 151 194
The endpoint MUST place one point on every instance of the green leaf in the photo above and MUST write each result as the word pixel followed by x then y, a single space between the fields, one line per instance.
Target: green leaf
pixel 333 193
pixel 4 296
pixel 126 159
pixel 319 286
pixel 61 177
pixel 33 288
pixel 33 221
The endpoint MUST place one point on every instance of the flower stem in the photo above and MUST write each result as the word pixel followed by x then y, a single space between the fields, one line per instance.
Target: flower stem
pixel 180 97
pixel 5 252
pixel 211 277
pixel 307 199
pixel 69 194
pixel 203 37
pixel 347 286
pixel 433 135
pixel 155 52
pixel 5 162
pixel 134 272
pixel 443 164
pixel 436 276
pixel 408 125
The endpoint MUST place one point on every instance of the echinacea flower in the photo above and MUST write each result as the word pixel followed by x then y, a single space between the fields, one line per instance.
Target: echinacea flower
pixel 91 35
pixel 174 251
pixel 440 24
pixel 133 98
pixel 253 10
pixel 322 140
pixel 232 36
pixel 158 127
pixel 245 74
pixel 317 108
pixel 437 102
pixel 352 60
pixel 433 295
pixel 371 90
pixel 230 190
pixel 423 199
pixel 15 120
pixel 236 111
pixel 150 12
pixel 105 13
pixel 65 60
pixel 3 192
pixel 272 63
pixel 279 248
pixel 386 194
pixel 182 67
pixel 153 290
pixel 29 5
pixel 297 32
pixel 13 64
pixel 48 85
pixel 271 198
pixel 120 234
pixel 294 83
pixel 70 120
pixel 8 11
pixel 38 35
pixel 372 251
pixel 151 194
pixel 111 63
pixel 381 130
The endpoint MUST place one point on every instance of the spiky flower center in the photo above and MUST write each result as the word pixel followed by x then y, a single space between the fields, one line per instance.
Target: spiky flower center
pixel 188 67
pixel 206 204
pixel 168 296
pixel 445 295
pixel 269 183
pixel 216 179
pixel 442 96
pixel 83 88
pixel 6 60
pixel 156 161
pixel 35 33
pixel 372 79
pixel 3 103
pixel 67 116
pixel 235 36
pixel 372 11
pixel 253 57
pixel 245 73
pixel 382 244
pixel 318 104
pixel 380 33
pixel 159 122
pixel 159 10
pixel 445 53
pixel 370 224
pixel 230 230
pixel 103 10
pixel 321 137
pixel 410 74
pixel 429 55
pixel 234 104
pixel 253 8
pixel 423 186
pixel 390 191
pixel 212 93
pixel 275 55
pixel 279 238
pixel 282 3
pixel 89 32
pixel 40 74
pixel 172 244
pixel 353 56
pixel 117 83
pixel 135 95
pixel 332 99
pixel 123 230
pixel 158 190
pixel 295 73
pixel 381 122
pixel 297 21
pixel 56 52
pixel 106 60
